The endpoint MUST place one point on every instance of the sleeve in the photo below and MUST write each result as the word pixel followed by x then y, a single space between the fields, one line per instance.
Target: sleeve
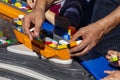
pixel 73 11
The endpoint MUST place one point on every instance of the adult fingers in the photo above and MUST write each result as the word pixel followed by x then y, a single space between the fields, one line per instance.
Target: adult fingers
pixel 83 51
pixel 38 24
pixel 76 36
pixel 80 47
pixel 26 25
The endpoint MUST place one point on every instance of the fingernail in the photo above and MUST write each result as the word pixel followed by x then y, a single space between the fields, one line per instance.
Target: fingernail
pixel 37 34
pixel 31 38
pixel 69 51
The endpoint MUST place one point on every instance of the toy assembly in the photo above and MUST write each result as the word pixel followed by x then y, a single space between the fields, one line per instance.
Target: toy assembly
pixel 46 57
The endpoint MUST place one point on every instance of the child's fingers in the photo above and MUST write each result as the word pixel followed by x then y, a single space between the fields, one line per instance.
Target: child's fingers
pixel 108 57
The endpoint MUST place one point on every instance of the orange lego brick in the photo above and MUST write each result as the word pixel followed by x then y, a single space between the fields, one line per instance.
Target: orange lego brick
pixel 8 10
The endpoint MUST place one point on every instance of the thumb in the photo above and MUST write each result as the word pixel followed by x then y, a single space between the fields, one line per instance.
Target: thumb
pixel 109 72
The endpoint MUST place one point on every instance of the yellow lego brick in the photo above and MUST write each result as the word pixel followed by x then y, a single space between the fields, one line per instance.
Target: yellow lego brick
pixel 5 1
pixel 19 22
pixel 17 4
pixel 114 58
pixel 29 10
pixel 52 45
pixel 62 46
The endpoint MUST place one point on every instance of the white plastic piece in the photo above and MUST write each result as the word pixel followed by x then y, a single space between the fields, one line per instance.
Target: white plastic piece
pixel 78 42
pixel 59 61
pixel 16 19
pixel 47 39
pixel 55 42
pixel 43 57
pixel 32 29
pixel 63 42
pixel 23 7
pixel 21 49
pixel 21 16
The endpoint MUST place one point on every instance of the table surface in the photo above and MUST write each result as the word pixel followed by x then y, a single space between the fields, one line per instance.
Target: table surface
pixel 52 70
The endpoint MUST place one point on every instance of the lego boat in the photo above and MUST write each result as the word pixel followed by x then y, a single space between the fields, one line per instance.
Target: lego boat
pixel 73 71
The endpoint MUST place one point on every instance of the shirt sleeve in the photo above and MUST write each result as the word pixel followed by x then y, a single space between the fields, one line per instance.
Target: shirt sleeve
pixel 73 11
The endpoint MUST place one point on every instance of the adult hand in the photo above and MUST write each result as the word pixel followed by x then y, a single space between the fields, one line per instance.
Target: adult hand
pixel 113 75
pixel 91 35
pixel 36 17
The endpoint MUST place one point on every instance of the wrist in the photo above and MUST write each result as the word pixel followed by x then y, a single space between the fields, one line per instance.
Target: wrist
pixel 106 24
pixel 111 21
pixel 43 4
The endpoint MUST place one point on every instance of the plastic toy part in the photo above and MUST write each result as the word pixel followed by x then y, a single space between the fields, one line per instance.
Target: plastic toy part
pixel 56 60
pixel 73 30
pixel 35 45
pixel 114 58
pixel 40 47
pixel 18 4
pixel 69 45
pixel 21 49
pixel 10 11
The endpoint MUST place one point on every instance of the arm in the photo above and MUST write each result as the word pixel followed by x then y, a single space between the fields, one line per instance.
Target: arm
pixel 94 32
pixel 36 17
pixel 53 18
pixel 67 16
pixel 111 21
pixel 70 14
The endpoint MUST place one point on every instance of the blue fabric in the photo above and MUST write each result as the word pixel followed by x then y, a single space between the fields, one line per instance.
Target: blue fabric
pixel 73 11
pixel 103 8
pixel 112 39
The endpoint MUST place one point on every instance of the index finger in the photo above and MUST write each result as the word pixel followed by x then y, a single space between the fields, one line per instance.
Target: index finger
pixel 84 43
pixel 38 24
pixel 26 25
pixel 75 36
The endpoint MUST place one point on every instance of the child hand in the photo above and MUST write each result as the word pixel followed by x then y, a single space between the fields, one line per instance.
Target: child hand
pixel 113 57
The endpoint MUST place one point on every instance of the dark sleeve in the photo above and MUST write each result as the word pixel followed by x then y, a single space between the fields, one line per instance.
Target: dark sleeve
pixel 73 11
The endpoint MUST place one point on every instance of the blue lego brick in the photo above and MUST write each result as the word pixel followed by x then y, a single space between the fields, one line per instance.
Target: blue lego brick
pixel 47 26
pixel 24 4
